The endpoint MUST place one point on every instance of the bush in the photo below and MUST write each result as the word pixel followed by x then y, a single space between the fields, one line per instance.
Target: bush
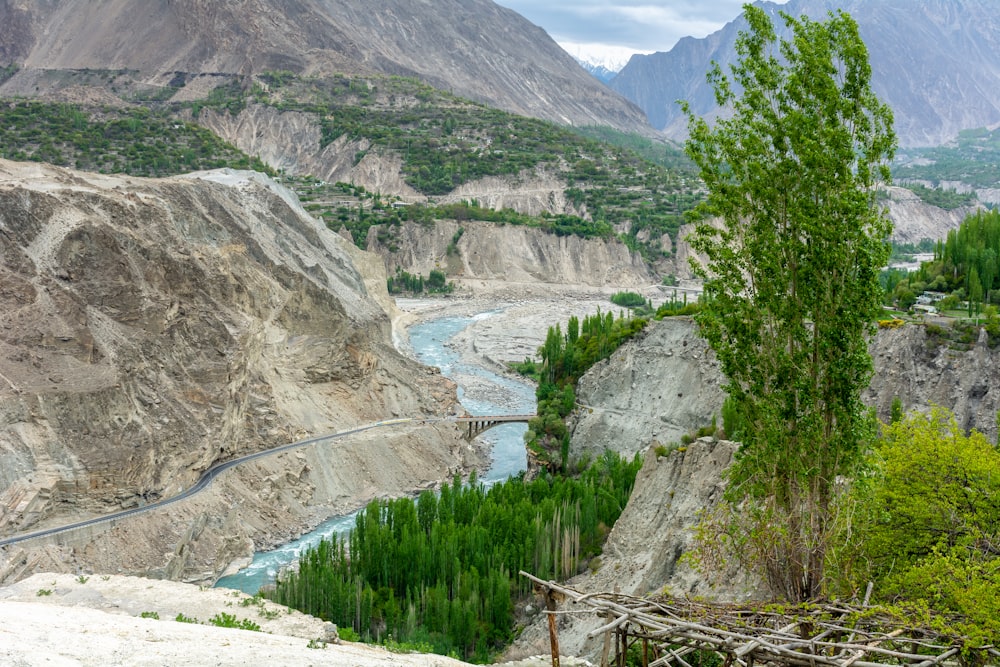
pixel 224 620
pixel 928 522
pixel 628 299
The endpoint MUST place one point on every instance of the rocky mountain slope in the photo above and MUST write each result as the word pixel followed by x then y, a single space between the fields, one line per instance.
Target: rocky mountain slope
pixel 933 61
pixel 667 383
pixel 473 48
pixel 491 253
pixel 151 328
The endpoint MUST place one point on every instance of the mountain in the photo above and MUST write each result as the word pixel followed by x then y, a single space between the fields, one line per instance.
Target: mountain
pixel 473 48
pixel 603 62
pixel 152 327
pixel 599 72
pixel 935 62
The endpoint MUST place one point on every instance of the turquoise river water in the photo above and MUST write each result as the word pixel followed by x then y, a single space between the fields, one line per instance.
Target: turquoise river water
pixel 506 396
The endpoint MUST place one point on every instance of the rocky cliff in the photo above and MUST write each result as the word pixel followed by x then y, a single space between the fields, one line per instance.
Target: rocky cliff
pixel 933 61
pixel 151 328
pixel 667 382
pixel 491 253
pixel 473 48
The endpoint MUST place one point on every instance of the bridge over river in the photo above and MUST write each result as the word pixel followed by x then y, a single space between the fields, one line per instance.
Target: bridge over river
pixel 476 425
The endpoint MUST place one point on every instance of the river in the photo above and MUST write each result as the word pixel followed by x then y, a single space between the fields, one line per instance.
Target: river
pixel 481 392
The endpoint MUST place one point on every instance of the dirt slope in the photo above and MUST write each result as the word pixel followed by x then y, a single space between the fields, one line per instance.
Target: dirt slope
pixel 150 328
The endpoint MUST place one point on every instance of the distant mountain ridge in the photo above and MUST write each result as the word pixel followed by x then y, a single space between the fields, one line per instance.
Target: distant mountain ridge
pixel 601 61
pixel 935 62
pixel 473 48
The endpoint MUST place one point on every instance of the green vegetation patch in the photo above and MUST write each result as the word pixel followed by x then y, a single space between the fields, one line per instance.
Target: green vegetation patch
pixel 945 198
pixel 137 141
pixel 926 525
pixel 974 159
pixel 963 275
pixel 446 141
pixel 441 572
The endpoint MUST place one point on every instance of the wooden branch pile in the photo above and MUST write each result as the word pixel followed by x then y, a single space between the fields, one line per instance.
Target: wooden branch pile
pixel 671 631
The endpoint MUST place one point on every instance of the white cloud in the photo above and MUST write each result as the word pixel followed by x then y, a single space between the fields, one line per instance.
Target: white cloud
pixel 641 25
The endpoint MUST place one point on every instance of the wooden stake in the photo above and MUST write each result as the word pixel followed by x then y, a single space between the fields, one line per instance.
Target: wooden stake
pixel 550 605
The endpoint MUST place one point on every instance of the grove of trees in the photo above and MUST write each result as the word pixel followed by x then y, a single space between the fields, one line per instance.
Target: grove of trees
pixel 441 572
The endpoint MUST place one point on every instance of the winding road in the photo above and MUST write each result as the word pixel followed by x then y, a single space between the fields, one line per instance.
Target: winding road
pixel 209 475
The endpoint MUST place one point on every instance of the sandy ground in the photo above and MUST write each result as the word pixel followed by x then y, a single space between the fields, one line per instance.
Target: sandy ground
pixel 510 322
pixel 60 620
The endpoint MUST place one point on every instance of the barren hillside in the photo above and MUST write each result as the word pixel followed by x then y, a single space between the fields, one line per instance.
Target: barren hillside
pixel 151 328
pixel 474 48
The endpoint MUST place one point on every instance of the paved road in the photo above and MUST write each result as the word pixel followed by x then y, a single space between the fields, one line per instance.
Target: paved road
pixel 213 472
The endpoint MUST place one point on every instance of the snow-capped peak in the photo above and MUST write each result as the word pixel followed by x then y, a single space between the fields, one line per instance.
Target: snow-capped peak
pixel 611 58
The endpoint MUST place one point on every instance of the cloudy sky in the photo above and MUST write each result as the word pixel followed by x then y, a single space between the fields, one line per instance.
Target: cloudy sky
pixel 618 26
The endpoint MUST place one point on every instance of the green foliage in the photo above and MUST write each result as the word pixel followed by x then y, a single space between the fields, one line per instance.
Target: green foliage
pixel 896 411
pixel 942 197
pixel 967 263
pixel 181 618
pixel 675 307
pixel 82 579
pixel 663 153
pixel 348 634
pixel 628 299
pixel 927 522
pixel 441 571
pixel 732 420
pixel 791 283
pixel 8 72
pixel 564 359
pixel 224 620
pixel 903 252
pixel 973 159
pixel 452 250
pixel 528 368
pixel 150 614
pixel 138 141
pixel 42 592
pixel 406 283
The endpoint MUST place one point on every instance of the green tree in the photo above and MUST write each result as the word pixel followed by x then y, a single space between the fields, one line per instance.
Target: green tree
pixel 975 291
pixel 791 279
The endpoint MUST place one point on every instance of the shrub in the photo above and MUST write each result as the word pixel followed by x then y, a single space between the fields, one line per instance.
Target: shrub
pixel 628 299
pixel 150 614
pixel 224 620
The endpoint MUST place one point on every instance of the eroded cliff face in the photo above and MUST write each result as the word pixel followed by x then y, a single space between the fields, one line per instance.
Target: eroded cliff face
pixel 151 328
pixel 667 382
pixel 913 220
pixel 510 254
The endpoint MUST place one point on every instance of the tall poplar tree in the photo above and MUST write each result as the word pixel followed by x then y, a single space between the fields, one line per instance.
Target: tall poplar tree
pixel 791 278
